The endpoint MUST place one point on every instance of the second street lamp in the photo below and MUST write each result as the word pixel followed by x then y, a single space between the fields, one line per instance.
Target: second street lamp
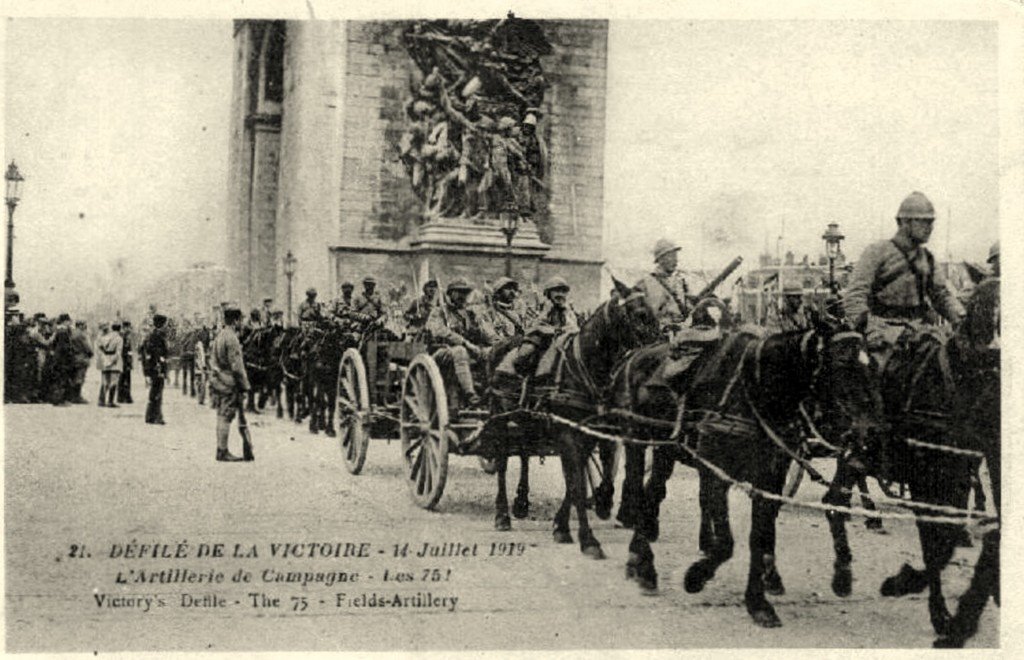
pixel 289 271
pixel 833 239
pixel 12 196
pixel 509 227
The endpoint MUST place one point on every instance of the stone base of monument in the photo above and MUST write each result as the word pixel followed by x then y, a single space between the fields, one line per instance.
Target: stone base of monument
pixel 481 235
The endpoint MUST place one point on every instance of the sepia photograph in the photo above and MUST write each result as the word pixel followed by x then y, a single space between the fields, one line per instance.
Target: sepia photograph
pixel 506 328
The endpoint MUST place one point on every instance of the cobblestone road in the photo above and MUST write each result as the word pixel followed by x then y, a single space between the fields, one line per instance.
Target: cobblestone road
pixel 102 479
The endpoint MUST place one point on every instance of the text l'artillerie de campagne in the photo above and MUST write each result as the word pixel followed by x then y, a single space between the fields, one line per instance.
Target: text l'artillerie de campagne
pixel 286 576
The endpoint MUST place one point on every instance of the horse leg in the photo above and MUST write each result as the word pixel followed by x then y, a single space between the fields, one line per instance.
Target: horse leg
pixel 655 491
pixel 330 402
pixel 250 402
pixel 762 538
pixel 632 485
pixel 874 524
pixel 937 545
pixel 640 565
pixel 984 583
pixel 277 400
pixel 561 522
pixel 502 523
pixel 604 493
pixel 839 494
pixel 521 505
pixel 717 544
pixel 574 470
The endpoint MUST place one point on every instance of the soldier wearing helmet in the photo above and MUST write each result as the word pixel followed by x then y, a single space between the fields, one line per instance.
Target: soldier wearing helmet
pixel 459 337
pixel 896 282
pixel 419 309
pixel 556 317
pixel 665 288
pixel 507 320
pixel 368 303
pixel 793 314
pixel 309 310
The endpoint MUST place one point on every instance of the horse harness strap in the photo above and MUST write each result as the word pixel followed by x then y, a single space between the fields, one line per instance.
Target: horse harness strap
pixel 921 280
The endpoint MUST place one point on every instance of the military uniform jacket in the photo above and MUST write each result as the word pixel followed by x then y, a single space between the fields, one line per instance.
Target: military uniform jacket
pixel 894 279
pixel 228 368
pixel 456 327
pixel 308 311
pixel 554 320
pixel 109 347
pixel 507 320
pixel 371 305
pixel 418 312
pixel 155 363
pixel 81 347
pixel 667 296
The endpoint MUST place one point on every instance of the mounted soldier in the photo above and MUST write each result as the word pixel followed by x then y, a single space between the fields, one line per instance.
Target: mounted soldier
pixel 895 285
pixel 507 320
pixel 419 309
pixel 459 337
pixel 794 314
pixel 666 290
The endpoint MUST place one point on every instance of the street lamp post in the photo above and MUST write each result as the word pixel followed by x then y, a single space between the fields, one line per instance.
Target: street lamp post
pixel 289 271
pixel 833 238
pixel 509 227
pixel 13 195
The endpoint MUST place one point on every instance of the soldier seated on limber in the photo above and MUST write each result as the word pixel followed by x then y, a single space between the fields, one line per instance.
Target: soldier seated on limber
pixel 309 309
pixel 459 337
pixel 419 309
pixel 556 317
pixel 506 319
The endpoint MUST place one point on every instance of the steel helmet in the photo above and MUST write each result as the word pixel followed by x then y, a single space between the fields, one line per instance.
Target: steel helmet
pixel 310 291
pixel 503 282
pixel 993 252
pixel 663 247
pixel 458 284
pixel 916 206
pixel 554 283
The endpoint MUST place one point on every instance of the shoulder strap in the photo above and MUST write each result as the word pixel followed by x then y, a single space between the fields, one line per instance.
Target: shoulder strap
pixel 681 304
pixel 920 278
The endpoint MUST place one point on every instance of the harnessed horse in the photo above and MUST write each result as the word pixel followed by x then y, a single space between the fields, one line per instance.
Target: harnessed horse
pixel 582 363
pixel 742 417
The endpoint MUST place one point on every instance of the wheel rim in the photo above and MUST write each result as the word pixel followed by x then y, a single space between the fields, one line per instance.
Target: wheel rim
pixel 354 399
pixel 424 422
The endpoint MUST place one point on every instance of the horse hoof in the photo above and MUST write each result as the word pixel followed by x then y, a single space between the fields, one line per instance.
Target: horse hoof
pixel 330 432
pixel 632 566
pixel 593 551
pixel 521 508
pixel 842 582
pixel 942 621
pixel 908 581
pixel 626 518
pixel 603 505
pixel 948 642
pixel 773 584
pixel 766 617
pixel 502 523
pixel 696 577
pixel 562 536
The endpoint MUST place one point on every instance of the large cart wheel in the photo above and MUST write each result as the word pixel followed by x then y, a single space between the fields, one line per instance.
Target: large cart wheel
pixel 353 407
pixel 601 499
pixel 423 417
pixel 793 478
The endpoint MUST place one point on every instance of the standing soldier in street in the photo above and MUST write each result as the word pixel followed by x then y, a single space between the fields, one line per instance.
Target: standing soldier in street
pixel 186 341
pixel 124 388
pixel 228 379
pixel 895 283
pixel 59 372
pixel 155 366
pixel 110 347
pixel 459 337
pixel 419 309
pixel 665 288
pixel 83 356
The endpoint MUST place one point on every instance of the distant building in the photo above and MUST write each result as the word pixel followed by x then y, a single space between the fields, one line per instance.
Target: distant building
pixel 184 293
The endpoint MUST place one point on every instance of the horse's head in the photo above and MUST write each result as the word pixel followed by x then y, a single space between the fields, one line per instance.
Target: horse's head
pixel 637 322
pixel 844 386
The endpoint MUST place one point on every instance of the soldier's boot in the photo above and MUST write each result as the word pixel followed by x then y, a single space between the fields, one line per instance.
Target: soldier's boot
pixel 101 400
pixel 111 396
pixel 465 378
pixel 223 429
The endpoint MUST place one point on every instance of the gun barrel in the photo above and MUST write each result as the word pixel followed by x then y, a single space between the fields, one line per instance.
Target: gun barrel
pixel 713 284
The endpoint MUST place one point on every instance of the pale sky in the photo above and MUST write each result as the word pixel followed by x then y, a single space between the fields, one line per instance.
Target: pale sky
pixel 726 129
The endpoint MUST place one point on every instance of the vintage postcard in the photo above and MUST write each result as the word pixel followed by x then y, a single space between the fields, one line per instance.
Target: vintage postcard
pixel 508 328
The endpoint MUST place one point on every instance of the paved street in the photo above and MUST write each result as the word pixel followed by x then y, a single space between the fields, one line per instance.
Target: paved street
pixel 102 478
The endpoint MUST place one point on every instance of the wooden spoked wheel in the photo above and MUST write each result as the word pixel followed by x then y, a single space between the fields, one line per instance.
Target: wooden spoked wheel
pixel 353 407
pixel 423 417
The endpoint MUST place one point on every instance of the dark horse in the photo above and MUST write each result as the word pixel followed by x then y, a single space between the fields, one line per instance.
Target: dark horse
pixel 323 347
pixel 741 417
pixel 921 398
pixel 574 389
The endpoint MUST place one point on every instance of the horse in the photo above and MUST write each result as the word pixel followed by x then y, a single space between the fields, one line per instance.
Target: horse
pixel 977 418
pixel 742 416
pixel 257 351
pixel 920 395
pixel 290 364
pixel 573 390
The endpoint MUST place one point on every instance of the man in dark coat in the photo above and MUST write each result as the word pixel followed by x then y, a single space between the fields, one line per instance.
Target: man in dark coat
pixel 155 366
pixel 60 366
pixel 83 356
pixel 124 387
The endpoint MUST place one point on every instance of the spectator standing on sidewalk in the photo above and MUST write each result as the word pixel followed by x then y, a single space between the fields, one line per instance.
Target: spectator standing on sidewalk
pixel 228 379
